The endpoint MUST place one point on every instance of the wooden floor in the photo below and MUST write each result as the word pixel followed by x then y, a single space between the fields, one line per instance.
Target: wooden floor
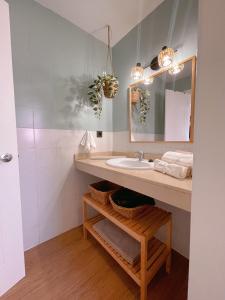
pixel 68 267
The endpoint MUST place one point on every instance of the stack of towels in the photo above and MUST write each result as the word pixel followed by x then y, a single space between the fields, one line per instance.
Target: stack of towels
pixel 176 164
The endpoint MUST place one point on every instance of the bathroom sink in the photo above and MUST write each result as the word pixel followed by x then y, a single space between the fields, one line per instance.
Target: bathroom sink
pixel 130 163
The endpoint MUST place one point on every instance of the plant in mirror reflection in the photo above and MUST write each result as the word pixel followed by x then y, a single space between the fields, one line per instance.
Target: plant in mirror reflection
pixel 143 104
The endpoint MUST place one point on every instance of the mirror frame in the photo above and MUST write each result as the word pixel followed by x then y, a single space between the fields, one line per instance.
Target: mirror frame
pixel 193 86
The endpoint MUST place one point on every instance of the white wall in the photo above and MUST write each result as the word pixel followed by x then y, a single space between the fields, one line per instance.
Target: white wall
pixel 207 254
pixel 51 187
pixel 181 229
pixel 177 116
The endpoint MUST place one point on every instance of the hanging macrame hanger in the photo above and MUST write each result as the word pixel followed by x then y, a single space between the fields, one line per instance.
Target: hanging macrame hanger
pixel 109 50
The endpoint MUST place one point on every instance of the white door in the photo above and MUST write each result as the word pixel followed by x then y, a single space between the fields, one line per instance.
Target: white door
pixel 177 116
pixel 11 239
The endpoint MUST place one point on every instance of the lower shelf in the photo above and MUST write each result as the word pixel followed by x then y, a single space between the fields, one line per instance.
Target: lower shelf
pixel 157 253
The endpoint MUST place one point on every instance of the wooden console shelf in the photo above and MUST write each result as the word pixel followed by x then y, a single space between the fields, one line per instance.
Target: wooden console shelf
pixel 153 254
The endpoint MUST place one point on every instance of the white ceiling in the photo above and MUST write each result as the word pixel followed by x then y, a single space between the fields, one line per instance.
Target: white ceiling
pixel 93 15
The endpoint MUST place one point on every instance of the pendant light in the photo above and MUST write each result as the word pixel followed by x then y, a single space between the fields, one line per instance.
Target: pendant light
pixel 137 72
pixel 165 57
pixel 175 69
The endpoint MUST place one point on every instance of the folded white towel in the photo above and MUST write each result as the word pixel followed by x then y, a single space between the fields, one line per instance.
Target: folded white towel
pixel 179 158
pixel 88 142
pixel 174 170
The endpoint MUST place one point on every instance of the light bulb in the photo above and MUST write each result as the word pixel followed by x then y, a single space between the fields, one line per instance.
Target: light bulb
pixel 148 80
pixel 175 69
pixel 137 72
pixel 165 57
pixel 166 61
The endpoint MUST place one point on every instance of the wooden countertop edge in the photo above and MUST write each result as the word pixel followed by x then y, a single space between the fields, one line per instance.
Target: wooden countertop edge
pixel 121 171
pixel 163 192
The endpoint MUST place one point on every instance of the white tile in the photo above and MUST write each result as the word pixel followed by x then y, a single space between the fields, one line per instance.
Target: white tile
pixel 68 202
pixel 46 158
pixel 71 213
pixel 46 138
pixel 49 209
pixel 57 138
pixel 29 198
pixel 105 143
pixel 25 138
pixel 51 186
pixel 70 139
pixel 50 220
pixel 48 182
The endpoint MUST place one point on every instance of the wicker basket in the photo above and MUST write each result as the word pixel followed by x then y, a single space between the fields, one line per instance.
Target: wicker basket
pixel 100 191
pixel 128 213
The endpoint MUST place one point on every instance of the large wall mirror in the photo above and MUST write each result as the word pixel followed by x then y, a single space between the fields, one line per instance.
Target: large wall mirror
pixel 163 111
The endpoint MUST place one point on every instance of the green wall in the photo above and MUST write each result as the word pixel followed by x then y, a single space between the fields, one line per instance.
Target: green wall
pixel 173 23
pixel 54 62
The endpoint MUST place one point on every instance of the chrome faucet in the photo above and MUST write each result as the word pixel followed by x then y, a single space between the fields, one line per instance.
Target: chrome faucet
pixel 140 155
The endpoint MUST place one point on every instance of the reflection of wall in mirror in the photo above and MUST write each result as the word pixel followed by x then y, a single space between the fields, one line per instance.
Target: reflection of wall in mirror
pixel 177 116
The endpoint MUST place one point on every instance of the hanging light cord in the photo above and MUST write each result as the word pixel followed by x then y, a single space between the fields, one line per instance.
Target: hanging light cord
pixel 139 25
pixel 109 49
pixel 138 42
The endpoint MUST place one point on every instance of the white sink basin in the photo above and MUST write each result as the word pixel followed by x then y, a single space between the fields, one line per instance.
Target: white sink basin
pixel 130 163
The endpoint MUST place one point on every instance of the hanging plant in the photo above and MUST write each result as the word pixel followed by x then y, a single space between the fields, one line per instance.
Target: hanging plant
pixel 95 96
pixel 106 84
pixel 143 104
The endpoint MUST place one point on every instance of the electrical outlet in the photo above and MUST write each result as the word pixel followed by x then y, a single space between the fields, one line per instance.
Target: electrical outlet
pixel 99 134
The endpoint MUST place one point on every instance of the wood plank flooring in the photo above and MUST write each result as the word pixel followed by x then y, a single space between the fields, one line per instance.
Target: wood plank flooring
pixel 70 268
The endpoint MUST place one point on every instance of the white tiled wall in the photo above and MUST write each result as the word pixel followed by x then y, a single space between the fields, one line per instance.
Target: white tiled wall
pixel 51 187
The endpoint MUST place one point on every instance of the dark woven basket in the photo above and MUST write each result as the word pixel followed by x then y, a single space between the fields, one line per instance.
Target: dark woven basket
pixel 129 203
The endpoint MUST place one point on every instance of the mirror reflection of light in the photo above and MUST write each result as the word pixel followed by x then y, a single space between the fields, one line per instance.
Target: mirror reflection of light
pixel 137 75
pixel 166 61
pixel 175 69
pixel 148 80
pixel 137 72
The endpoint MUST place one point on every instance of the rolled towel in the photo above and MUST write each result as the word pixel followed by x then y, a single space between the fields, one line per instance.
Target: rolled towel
pixel 174 170
pixel 179 158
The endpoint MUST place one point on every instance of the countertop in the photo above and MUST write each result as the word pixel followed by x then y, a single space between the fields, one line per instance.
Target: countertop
pixel 176 192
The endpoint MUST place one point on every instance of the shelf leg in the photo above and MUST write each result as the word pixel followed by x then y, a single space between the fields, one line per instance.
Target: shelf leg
pixel 85 216
pixel 144 257
pixel 169 244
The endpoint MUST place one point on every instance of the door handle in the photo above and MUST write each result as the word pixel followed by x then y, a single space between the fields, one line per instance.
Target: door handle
pixel 6 157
